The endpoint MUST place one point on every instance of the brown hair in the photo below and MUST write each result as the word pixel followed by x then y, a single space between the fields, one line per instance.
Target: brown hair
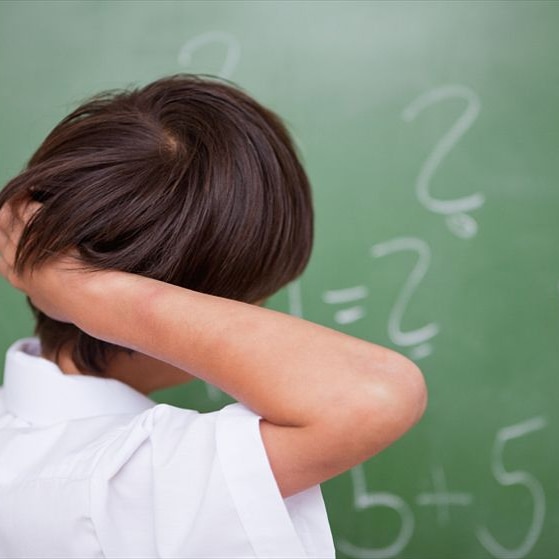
pixel 187 180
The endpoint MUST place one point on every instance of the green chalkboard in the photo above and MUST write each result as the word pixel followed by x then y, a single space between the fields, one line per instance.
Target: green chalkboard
pixel 430 131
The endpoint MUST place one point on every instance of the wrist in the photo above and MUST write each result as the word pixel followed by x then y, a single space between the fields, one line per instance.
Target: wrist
pixel 111 304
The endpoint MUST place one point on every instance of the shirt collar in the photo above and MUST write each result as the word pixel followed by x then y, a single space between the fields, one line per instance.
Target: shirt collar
pixel 37 391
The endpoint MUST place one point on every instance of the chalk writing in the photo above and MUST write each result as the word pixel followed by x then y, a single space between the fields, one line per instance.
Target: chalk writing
pixel 232 51
pixel 457 218
pixel 364 499
pixel 347 295
pixel 441 498
pixel 420 336
pixel 517 477
pixel 295 299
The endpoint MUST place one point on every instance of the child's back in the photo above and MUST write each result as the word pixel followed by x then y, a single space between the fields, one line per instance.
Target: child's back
pixel 93 468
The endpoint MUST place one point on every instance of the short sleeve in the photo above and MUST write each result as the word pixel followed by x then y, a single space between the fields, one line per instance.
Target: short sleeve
pixel 177 483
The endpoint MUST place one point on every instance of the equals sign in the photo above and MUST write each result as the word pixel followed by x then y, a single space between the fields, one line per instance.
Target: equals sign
pixel 344 296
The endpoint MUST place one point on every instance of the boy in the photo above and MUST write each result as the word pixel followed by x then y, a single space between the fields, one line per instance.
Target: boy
pixel 145 231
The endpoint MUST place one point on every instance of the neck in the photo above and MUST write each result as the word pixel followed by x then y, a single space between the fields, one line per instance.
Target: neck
pixel 139 371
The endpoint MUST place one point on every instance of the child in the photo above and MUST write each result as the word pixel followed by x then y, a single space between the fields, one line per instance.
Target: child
pixel 146 230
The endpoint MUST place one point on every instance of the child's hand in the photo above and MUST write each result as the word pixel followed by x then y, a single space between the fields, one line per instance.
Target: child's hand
pixel 12 223
pixel 46 284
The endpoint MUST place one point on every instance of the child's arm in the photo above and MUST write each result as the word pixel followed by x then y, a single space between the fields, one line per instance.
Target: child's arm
pixel 329 401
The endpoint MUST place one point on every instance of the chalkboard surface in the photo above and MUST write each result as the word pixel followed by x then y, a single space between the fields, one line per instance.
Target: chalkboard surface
pixel 430 132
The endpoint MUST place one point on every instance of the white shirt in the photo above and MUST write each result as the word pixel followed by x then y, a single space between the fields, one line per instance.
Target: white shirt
pixel 90 467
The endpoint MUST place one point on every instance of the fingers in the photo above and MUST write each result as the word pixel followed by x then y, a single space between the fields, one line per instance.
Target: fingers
pixel 16 216
pixel 28 210
pixel 7 257
pixel 7 244
pixel 13 219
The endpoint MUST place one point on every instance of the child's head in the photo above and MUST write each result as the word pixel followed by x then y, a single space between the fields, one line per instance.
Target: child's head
pixel 186 180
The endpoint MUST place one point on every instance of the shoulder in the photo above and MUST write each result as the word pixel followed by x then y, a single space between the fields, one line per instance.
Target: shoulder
pixel 185 443
pixel 188 471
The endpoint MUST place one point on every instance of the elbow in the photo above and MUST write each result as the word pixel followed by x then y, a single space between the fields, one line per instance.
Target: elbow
pixel 418 395
pixel 404 391
pixel 409 390
pixel 391 405
pixel 383 404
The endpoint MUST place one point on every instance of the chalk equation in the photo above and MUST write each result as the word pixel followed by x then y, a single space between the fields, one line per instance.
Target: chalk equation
pixel 441 499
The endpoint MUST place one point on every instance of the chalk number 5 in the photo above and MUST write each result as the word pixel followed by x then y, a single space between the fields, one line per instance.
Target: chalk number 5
pixel 517 477
pixel 364 499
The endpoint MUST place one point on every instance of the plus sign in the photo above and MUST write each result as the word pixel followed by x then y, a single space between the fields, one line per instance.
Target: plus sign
pixel 441 497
